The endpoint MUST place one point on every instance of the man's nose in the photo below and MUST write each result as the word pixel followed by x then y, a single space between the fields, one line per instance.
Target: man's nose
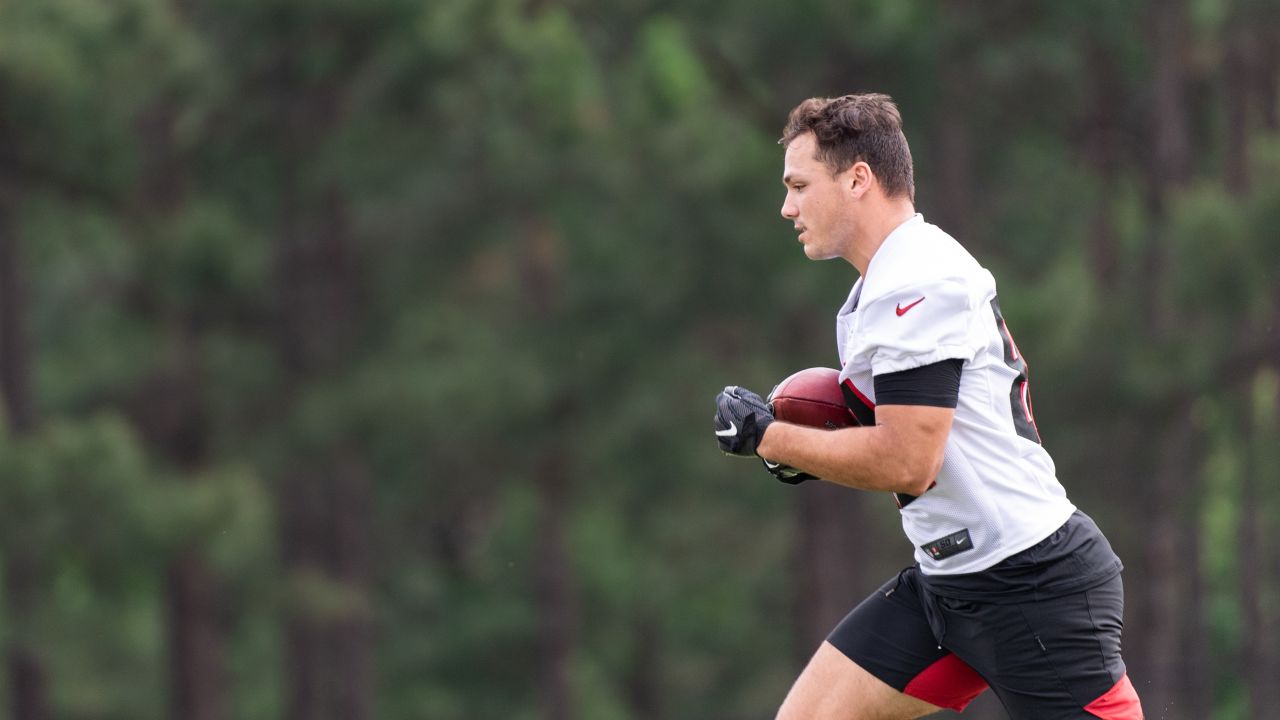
pixel 789 209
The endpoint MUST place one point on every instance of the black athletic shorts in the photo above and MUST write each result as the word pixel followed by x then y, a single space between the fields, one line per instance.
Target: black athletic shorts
pixel 1047 655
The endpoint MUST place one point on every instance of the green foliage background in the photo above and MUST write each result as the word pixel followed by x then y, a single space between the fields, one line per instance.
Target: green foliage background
pixel 557 222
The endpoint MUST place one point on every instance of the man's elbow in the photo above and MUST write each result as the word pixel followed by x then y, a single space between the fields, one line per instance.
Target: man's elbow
pixel 915 478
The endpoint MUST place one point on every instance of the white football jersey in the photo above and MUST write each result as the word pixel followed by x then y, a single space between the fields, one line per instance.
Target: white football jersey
pixel 925 299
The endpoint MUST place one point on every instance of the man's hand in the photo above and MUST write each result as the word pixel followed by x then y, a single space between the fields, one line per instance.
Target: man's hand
pixel 786 473
pixel 741 419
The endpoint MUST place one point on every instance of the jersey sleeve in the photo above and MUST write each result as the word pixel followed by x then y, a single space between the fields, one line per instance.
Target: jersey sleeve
pixel 936 385
pixel 919 325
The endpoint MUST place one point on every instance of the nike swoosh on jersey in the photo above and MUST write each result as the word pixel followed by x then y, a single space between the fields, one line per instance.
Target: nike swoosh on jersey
pixel 903 310
pixel 729 431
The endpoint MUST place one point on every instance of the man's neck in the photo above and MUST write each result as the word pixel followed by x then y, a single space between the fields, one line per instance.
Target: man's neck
pixel 882 225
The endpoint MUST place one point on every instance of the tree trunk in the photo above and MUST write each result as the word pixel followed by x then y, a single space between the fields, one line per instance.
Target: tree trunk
pixel 954 177
pixel 28 690
pixel 644 680
pixel 1167 169
pixel 1103 150
pixel 197 635
pixel 557 611
pixel 1268 75
pixel 353 632
pixel 1169 163
pixel 1252 650
pixel 542 279
pixel 1236 70
pixel 300 494
pixel 1259 576
pixel 1162 584
pixel 1197 666
pixel 15 348
pixel 1171 126
pixel 170 413
pixel 326 501
pixel 28 683
pixel 196 642
pixel 831 578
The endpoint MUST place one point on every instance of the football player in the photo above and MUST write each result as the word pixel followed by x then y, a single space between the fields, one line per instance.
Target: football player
pixel 1012 587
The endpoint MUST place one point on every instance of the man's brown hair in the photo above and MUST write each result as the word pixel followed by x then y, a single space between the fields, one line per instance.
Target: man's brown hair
pixel 857 127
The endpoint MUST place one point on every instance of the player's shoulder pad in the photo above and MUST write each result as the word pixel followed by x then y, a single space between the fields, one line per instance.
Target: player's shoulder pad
pixel 921 323
pixel 924 260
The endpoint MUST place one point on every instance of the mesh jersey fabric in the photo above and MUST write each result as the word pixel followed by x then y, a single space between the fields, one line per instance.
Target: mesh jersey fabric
pixel 925 299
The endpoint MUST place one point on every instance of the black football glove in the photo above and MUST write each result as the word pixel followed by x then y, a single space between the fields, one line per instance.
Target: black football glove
pixel 786 473
pixel 741 419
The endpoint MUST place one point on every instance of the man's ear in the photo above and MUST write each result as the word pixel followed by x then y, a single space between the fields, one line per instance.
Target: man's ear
pixel 860 178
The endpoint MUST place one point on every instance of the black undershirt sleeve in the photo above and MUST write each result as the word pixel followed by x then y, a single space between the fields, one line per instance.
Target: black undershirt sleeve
pixel 936 385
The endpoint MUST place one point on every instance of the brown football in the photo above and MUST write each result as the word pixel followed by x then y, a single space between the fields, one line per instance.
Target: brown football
pixel 812 397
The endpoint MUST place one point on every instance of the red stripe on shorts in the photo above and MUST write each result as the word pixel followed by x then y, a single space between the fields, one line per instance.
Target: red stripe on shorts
pixel 948 683
pixel 1118 703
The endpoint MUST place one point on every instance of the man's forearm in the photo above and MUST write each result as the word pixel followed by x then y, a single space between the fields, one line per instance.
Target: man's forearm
pixel 868 458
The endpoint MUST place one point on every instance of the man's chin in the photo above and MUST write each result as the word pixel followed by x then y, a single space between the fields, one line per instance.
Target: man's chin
pixel 813 252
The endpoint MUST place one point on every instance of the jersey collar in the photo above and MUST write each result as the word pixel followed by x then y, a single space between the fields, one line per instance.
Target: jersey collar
pixel 855 293
pixel 895 234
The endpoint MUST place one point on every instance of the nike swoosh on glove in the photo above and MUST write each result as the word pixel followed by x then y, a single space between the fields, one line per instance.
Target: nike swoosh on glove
pixel 786 473
pixel 741 419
